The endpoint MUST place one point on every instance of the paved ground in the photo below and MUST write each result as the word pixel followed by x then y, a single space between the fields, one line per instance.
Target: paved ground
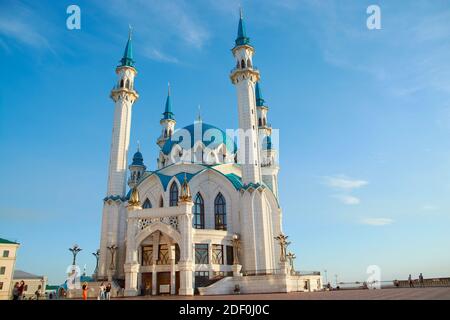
pixel 437 293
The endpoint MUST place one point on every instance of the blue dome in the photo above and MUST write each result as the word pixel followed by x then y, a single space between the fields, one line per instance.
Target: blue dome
pixel 210 135
pixel 138 159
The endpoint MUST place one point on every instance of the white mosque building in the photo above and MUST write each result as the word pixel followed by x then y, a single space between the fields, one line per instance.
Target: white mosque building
pixel 207 219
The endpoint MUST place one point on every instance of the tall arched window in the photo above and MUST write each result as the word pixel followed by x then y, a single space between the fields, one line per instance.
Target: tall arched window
pixel 121 83
pixel 147 204
pixel 173 194
pixel 260 122
pixel 220 212
pixel 161 202
pixel 249 63
pixel 127 84
pixel 198 221
pixel 242 64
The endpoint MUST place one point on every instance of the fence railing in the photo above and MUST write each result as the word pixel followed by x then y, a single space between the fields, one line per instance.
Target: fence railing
pixel 261 272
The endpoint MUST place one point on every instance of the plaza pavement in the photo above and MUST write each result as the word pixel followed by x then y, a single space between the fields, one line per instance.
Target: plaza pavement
pixel 433 293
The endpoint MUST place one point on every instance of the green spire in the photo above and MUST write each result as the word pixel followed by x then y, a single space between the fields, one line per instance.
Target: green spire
pixel 242 38
pixel 259 98
pixel 127 59
pixel 168 114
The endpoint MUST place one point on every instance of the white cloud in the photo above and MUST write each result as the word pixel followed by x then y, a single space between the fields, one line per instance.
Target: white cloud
pixel 157 55
pixel 347 199
pixel 20 23
pixel 429 207
pixel 377 222
pixel 344 182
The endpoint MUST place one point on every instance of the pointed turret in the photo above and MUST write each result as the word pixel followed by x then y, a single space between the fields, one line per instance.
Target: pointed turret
pixel 168 114
pixel 167 122
pixel 242 38
pixel 127 59
pixel 137 168
pixel 259 99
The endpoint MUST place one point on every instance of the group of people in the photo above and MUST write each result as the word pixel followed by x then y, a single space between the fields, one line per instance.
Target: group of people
pixel 411 281
pixel 104 292
pixel 18 290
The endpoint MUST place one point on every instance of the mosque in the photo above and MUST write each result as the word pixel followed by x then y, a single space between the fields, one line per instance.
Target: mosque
pixel 207 219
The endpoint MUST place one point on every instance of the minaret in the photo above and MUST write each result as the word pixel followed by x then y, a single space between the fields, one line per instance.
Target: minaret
pixel 257 236
pixel 244 77
pixel 114 215
pixel 124 97
pixel 269 167
pixel 137 169
pixel 167 122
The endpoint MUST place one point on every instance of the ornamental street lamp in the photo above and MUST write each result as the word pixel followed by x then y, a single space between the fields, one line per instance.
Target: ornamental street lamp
pixel 96 255
pixel 291 257
pixel 282 241
pixel 112 250
pixel 75 249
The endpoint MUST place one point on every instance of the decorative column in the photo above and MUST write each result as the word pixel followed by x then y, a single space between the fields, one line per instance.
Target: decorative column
pixel 172 270
pixel 132 265
pixel 186 263
pixel 236 241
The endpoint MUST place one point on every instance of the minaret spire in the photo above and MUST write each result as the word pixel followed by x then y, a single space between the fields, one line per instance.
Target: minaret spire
pixel 167 122
pixel 242 38
pixel 127 59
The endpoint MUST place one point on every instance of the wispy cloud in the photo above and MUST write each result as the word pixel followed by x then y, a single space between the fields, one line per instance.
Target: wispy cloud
pixel 343 182
pixel 377 222
pixel 157 55
pixel 347 199
pixel 429 207
pixel 20 23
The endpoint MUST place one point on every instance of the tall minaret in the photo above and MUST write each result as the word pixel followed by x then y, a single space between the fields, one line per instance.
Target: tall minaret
pixel 167 122
pixel 269 166
pixel 244 77
pixel 124 96
pixel 114 218
pixel 257 236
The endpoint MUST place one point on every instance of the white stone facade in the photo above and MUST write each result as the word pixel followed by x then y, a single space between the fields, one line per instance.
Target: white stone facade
pixel 177 229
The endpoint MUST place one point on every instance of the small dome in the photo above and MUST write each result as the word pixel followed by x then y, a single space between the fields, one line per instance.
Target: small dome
pixel 210 136
pixel 138 159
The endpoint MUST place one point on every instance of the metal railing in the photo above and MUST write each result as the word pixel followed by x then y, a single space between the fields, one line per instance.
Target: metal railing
pixel 306 273
pixel 261 272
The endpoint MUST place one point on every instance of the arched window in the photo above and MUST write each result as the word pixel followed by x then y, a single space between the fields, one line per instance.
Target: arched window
pixel 127 84
pixel 173 194
pixel 259 122
pixel 147 204
pixel 242 64
pixel 198 221
pixel 249 63
pixel 220 212
pixel 121 83
pixel 161 202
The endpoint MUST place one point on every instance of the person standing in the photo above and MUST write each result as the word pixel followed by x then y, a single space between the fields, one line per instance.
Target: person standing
pixel 85 290
pixel 21 289
pixel 410 281
pixel 15 291
pixel 421 280
pixel 108 292
pixel 101 292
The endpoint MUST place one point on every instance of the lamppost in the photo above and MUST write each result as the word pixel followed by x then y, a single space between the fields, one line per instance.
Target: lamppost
pixel 291 257
pixel 96 255
pixel 326 276
pixel 112 250
pixel 282 241
pixel 75 249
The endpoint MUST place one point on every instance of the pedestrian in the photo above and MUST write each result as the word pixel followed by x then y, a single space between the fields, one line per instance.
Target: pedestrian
pixel 15 291
pixel 410 281
pixel 108 292
pixel 101 292
pixel 85 290
pixel 421 280
pixel 21 289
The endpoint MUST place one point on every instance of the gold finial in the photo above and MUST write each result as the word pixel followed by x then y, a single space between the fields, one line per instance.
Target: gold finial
pixel 185 194
pixel 134 198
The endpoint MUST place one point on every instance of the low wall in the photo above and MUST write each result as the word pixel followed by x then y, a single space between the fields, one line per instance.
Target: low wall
pixel 263 284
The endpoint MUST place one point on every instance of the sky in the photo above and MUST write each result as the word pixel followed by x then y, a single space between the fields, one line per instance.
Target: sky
pixel 363 117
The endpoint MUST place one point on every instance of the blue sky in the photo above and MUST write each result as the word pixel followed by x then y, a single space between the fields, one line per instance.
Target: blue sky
pixel 364 120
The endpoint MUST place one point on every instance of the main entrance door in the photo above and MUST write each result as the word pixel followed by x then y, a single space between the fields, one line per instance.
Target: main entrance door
pixel 163 284
pixel 146 287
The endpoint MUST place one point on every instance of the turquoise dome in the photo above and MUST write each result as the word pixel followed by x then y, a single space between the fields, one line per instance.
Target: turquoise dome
pixel 210 135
